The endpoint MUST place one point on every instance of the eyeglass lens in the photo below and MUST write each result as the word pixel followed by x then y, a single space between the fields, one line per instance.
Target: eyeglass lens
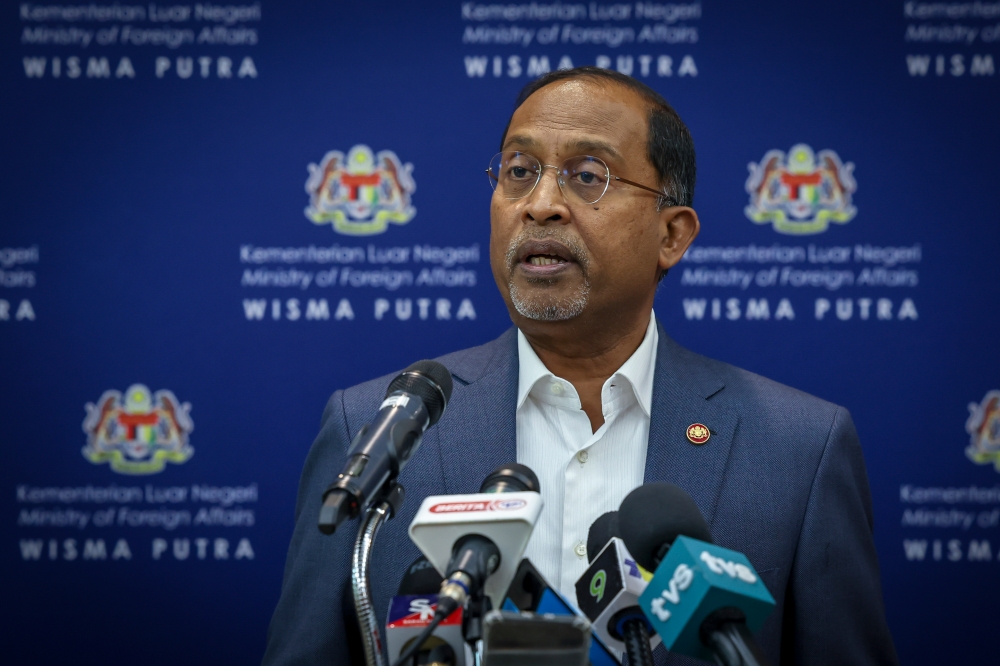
pixel 583 179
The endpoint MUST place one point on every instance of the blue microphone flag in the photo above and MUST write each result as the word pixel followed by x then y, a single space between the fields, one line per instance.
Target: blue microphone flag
pixel 694 580
pixel 529 592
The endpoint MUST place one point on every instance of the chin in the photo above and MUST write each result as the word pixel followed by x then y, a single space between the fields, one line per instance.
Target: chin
pixel 547 307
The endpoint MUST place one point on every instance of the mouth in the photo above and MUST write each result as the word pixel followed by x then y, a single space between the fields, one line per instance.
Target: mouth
pixel 546 258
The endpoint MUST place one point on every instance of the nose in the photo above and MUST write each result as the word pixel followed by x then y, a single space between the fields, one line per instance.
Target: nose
pixel 546 203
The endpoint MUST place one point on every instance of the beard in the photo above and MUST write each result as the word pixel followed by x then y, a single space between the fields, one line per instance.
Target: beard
pixel 539 304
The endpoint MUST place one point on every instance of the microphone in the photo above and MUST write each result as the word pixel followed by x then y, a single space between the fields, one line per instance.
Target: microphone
pixel 414 401
pixel 412 610
pixel 476 541
pixel 608 593
pixel 603 530
pixel 530 592
pixel 420 578
pixel 703 600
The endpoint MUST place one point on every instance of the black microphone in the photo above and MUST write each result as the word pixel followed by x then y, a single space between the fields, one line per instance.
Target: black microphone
pixel 420 578
pixel 414 401
pixel 702 597
pixel 603 530
pixel 653 516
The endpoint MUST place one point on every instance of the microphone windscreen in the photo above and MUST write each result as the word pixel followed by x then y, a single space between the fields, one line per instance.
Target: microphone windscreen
pixel 511 478
pixel 601 532
pixel 420 578
pixel 429 380
pixel 653 515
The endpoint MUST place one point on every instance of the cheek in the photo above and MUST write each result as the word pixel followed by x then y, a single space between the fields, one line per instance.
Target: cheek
pixel 624 242
pixel 642 233
pixel 501 214
pixel 500 233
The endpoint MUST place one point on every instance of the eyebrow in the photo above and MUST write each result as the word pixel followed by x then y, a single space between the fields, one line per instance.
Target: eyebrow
pixel 597 147
pixel 522 140
pixel 585 145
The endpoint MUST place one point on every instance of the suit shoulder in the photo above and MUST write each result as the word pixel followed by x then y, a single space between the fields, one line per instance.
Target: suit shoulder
pixel 789 429
pixel 468 365
pixel 749 393
pixel 465 365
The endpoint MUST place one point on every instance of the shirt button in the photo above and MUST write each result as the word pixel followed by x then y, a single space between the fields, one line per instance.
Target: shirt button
pixel 582 456
pixel 557 388
pixel 580 549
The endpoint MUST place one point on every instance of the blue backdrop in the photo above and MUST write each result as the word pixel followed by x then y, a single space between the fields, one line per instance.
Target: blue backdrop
pixel 214 216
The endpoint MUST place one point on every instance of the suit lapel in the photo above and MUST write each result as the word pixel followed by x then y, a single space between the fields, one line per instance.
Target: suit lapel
pixel 477 432
pixel 681 391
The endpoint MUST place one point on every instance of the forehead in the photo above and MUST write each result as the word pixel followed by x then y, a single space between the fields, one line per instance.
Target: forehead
pixel 581 114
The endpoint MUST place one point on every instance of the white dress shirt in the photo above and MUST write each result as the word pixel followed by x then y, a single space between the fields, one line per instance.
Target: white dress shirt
pixel 583 474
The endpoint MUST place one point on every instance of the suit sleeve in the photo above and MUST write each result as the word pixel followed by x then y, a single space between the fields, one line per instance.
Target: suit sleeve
pixel 834 611
pixel 308 624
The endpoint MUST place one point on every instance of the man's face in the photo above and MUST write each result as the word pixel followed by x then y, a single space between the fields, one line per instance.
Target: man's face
pixel 558 260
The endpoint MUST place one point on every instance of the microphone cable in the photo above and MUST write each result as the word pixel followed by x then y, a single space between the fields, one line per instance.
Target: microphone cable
pixel 406 656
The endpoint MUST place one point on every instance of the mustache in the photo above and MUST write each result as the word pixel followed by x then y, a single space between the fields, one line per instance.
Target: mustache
pixel 576 249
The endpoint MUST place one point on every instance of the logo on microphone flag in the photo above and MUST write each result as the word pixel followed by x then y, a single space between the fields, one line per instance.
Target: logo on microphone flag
pixel 983 427
pixel 417 610
pixel 362 193
pixel 800 192
pixel 469 507
pixel 138 432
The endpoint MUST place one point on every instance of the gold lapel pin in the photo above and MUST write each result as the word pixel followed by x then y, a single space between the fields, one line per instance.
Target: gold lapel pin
pixel 698 433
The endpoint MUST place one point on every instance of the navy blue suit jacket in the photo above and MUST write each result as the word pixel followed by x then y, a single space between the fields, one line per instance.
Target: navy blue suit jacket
pixel 782 479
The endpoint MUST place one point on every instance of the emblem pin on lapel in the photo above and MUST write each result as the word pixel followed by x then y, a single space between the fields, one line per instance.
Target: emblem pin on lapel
pixel 698 433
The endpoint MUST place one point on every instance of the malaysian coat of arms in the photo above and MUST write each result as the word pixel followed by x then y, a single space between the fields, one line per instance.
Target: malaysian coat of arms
pixel 138 432
pixel 362 193
pixel 801 192
pixel 983 427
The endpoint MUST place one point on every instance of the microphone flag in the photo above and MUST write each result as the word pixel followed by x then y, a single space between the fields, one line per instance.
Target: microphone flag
pixel 530 593
pixel 409 614
pixel 612 583
pixel 694 580
pixel 507 519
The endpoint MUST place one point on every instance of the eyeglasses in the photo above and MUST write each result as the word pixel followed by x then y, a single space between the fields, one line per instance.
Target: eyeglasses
pixel 582 179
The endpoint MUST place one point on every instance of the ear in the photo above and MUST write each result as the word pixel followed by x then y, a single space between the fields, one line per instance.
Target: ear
pixel 679 226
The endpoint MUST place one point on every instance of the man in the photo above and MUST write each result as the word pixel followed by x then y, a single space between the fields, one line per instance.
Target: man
pixel 591 206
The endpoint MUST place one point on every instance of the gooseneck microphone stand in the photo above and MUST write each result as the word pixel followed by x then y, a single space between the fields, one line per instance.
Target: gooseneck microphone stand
pixel 375 517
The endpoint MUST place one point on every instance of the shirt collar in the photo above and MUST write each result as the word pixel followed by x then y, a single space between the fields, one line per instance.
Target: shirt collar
pixel 638 370
pixel 530 368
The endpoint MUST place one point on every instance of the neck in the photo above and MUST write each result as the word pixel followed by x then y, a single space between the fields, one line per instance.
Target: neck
pixel 586 353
